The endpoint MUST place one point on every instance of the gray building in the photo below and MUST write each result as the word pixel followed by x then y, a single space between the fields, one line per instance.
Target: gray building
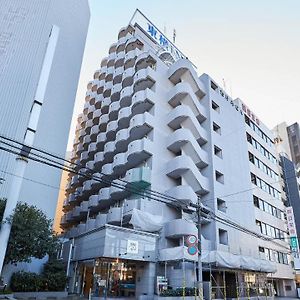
pixel 151 124
pixel 25 30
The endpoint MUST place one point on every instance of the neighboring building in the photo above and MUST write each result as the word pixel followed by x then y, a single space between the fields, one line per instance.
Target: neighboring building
pixel 25 30
pixel 61 197
pixel 149 122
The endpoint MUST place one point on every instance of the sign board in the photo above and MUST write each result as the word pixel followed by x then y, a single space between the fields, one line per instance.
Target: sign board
pixel 132 247
pixel 160 38
pixel 191 239
pixel 292 231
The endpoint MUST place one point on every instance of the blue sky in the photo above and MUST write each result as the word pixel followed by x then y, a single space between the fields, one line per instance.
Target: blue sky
pixel 253 45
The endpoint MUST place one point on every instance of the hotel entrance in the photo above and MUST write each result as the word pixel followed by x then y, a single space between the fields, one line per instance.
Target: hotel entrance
pixel 109 278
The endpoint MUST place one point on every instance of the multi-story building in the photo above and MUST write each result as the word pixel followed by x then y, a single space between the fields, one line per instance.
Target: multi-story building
pixel 26 29
pixel 152 140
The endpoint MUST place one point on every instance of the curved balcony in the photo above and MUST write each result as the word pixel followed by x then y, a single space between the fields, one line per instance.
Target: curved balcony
pixel 92 149
pixel 119 61
pixel 73 232
pixel 94 133
pixel 113 110
pixel 100 220
pixel 182 93
pixel 63 221
pixel 84 157
pixel 96 116
pixel 97 182
pixel 118 73
pixel 129 206
pixel 87 187
pixel 90 224
pixel 98 101
pixel 139 126
pixel 94 202
pixel 98 160
pixel 109 149
pixel 81 135
pixel 183 166
pixel 96 74
pixel 90 165
pixel 112 48
pixel 115 92
pixel 179 228
pixel 104 197
pixel 130 58
pixel 103 62
pixel 105 105
pixel 142 101
pixel 84 208
pixel 126 95
pixel 138 152
pixel 133 43
pixel 114 215
pixel 107 89
pixel 127 78
pixel 107 169
pixel 81 228
pixel 76 213
pixel 182 116
pixel 111 130
pixel 145 60
pixel 103 123
pixel 143 79
pixel 124 116
pixel 183 193
pixel 80 149
pixel 86 141
pixel 118 193
pixel 183 139
pixel 138 178
pixel 93 98
pixel 177 70
pixel 89 124
pixel 111 59
pixel 109 77
pixel 101 139
pixel 90 112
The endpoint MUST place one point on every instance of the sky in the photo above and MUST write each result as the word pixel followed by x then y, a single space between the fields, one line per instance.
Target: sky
pixel 251 46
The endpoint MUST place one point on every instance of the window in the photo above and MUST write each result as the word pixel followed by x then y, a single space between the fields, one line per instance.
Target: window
pixel 219 177
pixel 255 201
pixel 213 86
pixel 216 128
pixel 261 249
pixel 223 237
pixel 221 205
pixel 218 151
pixel 215 106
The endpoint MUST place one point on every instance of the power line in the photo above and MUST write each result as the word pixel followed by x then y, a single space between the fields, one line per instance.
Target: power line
pixel 63 167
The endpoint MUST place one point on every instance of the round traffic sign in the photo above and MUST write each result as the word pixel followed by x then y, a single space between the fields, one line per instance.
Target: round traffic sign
pixel 191 239
pixel 192 250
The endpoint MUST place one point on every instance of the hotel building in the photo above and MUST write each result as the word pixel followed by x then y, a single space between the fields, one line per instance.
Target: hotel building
pixel 153 138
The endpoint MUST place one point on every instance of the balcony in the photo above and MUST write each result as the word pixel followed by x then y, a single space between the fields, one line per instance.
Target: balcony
pixel 142 101
pixel 143 79
pixel 139 126
pixel 127 77
pixel 184 166
pixel 129 206
pixel 113 110
pixel 111 130
pixel 182 116
pixel 177 70
pixel 88 126
pixel 103 123
pixel 119 61
pixel 90 224
pixel 182 93
pixel 133 44
pixel 145 60
pixel 114 215
pixel 84 208
pixel 111 59
pixel 101 139
pixel 109 149
pixel 84 157
pixel 98 160
pixel 90 112
pixel 124 116
pixel 118 73
pixel 126 95
pixel 96 116
pixel 183 193
pixel 138 152
pixel 100 220
pixel 138 178
pixel 130 58
pixel 115 92
pixel 86 141
pixel 118 192
pixel 111 50
pixel 94 133
pixel 179 228
pixel 107 87
pixel 92 150
pixel 183 139
pixel 105 105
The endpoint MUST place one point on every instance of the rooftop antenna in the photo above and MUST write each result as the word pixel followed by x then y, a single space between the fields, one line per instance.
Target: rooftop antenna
pixel 174 35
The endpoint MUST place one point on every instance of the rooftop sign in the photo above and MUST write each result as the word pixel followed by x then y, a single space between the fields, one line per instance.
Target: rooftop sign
pixel 153 31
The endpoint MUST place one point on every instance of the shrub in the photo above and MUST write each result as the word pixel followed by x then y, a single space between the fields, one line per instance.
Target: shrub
pixel 188 291
pixel 26 282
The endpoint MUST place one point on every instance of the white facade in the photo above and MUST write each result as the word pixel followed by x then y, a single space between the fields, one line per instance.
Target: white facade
pixel 25 31
pixel 152 123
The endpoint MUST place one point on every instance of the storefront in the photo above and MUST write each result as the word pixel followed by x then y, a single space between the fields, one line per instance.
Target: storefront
pixel 106 277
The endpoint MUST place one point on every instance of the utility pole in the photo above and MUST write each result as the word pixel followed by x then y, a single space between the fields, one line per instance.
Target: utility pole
pixel 200 279
pixel 21 160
